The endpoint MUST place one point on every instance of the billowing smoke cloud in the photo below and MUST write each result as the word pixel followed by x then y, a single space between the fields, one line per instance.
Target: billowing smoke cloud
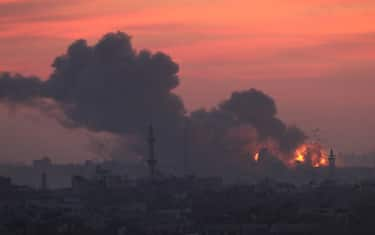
pixel 258 109
pixel 110 87
pixel 106 87
pixel 239 126
pixel 18 89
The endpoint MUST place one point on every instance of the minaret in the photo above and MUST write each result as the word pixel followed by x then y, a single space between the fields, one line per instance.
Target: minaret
pixel 332 163
pixel 151 161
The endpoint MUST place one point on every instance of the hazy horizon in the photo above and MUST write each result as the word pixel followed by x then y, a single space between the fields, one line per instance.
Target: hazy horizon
pixel 314 58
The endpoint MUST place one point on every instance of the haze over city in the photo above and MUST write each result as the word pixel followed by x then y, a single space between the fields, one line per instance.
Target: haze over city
pixel 187 117
pixel 314 58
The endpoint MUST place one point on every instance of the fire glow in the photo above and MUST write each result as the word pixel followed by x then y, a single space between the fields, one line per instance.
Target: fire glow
pixel 300 154
pixel 256 157
pixel 312 154
pixel 308 154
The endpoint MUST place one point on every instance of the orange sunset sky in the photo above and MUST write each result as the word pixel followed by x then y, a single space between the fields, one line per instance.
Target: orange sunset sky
pixel 315 57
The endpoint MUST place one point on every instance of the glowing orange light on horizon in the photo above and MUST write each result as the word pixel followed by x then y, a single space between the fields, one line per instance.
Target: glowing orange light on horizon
pixel 300 154
pixel 256 157
pixel 311 153
pixel 308 154
pixel 323 161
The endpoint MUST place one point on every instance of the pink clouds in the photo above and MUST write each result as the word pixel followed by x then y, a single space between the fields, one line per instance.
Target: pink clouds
pixel 232 35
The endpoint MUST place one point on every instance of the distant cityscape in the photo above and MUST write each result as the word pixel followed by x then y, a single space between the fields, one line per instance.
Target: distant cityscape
pixel 98 198
pixel 177 117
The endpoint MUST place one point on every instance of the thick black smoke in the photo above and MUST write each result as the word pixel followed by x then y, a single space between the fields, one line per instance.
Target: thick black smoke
pixel 239 126
pixel 256 108
pixel 110 87
pixel 18 89
pixel 106 87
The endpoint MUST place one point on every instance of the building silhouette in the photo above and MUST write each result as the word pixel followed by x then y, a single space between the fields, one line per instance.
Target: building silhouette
pixel 43 185
pixel 151 160
pixel 332 164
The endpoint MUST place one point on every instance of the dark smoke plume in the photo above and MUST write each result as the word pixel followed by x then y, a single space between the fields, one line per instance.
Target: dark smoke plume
pixel 17 88
pixel 256 109
pixel 110 87
pixel 242 124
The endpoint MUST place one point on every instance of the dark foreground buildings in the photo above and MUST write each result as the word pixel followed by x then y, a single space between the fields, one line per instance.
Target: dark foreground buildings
pixel 98 201
pixel 108 204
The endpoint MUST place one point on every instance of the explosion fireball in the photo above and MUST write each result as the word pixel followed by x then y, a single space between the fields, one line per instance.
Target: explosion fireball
pixel 312 154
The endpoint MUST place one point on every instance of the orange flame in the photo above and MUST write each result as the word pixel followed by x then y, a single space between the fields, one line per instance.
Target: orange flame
pixel 256 157
pixel 300 154
pixel 312 153
pixel 322 162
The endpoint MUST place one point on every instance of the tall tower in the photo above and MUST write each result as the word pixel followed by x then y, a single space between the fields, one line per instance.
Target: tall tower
pixel 332 163
pixel 151 160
